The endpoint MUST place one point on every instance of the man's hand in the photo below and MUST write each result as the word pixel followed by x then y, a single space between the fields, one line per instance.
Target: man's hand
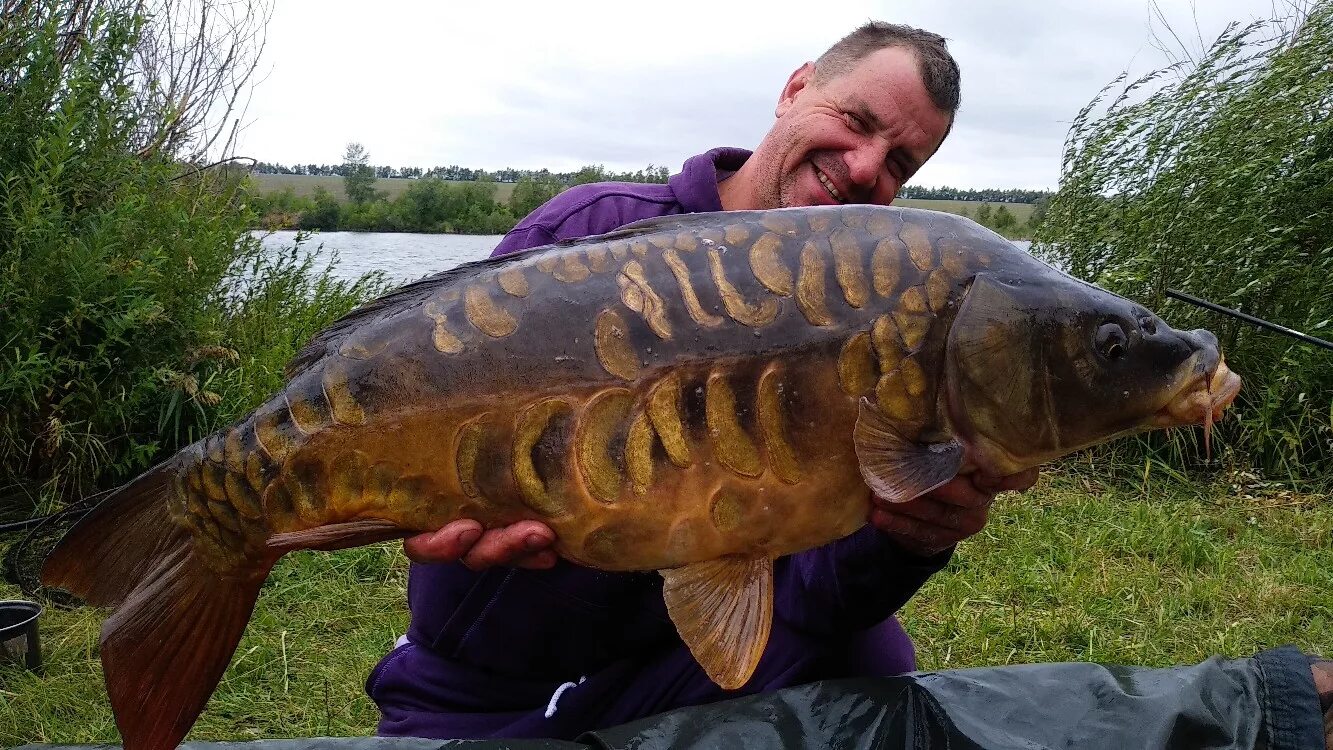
pixel 946 515
pixel 525 544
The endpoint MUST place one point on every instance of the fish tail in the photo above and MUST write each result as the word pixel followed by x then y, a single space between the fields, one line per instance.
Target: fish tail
pixel 176 620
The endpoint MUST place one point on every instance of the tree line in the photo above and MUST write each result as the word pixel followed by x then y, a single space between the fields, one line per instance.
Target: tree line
pixel 455 173
pixel 465 201
pixel 599 173
pixel 988 195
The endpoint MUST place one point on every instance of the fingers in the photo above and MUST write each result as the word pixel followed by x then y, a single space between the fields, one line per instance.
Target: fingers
pixel 913 534
pixel 948 514
pixel 959 491
pixel 520 545
pixel 937 520
pixel 525 544
pixel 962 521
pixel 446 545
pixel 1019 482
pixel 978 490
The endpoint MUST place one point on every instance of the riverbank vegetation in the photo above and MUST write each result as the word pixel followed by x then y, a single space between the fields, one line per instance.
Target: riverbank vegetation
pixel 270 175
pixel 361 197
pixel 483 205
pixel 137 314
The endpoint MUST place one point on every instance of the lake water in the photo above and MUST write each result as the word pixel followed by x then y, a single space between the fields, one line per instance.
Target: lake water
pixel 402 257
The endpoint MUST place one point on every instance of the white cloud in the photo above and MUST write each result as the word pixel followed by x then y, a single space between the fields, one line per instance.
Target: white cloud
pixel 560 85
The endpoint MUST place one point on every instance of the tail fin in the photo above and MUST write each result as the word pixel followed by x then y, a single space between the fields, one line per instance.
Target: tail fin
pixel 176 622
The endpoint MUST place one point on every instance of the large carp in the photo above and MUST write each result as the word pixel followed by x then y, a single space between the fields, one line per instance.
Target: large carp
pixel 696 395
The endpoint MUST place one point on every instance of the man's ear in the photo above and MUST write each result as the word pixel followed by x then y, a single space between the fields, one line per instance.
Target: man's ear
pixel 796 83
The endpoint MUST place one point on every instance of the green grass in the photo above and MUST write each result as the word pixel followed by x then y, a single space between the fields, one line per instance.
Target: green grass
pixel 1077 569
pixel 304 185
pixel 322 621
pixel 1021 211
pixel 1087 570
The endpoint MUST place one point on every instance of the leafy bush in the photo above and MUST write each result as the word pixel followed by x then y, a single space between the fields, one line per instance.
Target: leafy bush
pixel 136 312
pixel 1216 178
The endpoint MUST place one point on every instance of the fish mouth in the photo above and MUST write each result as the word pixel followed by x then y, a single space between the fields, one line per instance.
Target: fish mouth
pixel 1203 400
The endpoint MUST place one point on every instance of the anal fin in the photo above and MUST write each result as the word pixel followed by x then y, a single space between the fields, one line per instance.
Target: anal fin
pixel 898 469
pixel 723 610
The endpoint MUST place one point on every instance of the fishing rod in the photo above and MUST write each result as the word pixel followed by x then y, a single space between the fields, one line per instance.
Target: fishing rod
pixel 1250 319
pixel 28 523
pixel 76 508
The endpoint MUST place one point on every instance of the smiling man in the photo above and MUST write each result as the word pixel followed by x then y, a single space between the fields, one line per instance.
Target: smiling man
pixel 852 127
pixel 507 640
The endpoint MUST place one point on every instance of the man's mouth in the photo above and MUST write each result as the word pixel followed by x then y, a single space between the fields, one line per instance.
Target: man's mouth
pixel 828 184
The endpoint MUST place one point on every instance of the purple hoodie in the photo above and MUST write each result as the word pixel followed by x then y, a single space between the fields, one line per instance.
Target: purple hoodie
pixel 515 653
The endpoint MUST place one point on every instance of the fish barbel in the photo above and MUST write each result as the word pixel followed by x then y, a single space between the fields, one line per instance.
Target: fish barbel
pixel 696 395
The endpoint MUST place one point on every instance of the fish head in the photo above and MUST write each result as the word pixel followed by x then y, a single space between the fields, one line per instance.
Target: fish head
pixel 1042 366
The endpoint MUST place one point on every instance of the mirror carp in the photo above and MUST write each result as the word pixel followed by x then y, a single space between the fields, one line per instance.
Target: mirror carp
pixel 695 394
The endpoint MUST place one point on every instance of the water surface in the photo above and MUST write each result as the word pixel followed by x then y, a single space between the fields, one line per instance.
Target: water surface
pixel 402 256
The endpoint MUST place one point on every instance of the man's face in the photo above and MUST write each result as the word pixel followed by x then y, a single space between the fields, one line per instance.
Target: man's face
pixel 853 139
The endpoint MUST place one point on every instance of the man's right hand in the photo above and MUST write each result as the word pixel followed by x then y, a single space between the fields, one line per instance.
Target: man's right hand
pixel 526 544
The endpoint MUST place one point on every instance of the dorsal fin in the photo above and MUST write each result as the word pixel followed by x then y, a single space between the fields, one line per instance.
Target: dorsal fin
pixel 419 291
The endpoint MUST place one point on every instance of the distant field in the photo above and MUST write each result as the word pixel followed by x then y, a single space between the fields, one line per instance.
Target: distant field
pixel 393 187
pixel 1021 211
pixel 305 185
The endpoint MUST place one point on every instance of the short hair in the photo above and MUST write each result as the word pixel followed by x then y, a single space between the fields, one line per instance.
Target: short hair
pixel 939 71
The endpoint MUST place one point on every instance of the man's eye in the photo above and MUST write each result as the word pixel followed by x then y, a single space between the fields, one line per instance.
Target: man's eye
pixel 856 122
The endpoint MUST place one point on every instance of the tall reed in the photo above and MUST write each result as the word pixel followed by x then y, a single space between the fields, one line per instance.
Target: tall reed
pixel 1215 177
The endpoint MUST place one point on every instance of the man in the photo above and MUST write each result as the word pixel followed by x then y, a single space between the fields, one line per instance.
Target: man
pixel 508 641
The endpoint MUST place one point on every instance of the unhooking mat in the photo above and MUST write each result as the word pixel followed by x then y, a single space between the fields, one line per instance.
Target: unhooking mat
pixel 1267 701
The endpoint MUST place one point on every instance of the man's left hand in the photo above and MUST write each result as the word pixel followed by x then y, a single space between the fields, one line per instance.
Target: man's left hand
pixel 946 515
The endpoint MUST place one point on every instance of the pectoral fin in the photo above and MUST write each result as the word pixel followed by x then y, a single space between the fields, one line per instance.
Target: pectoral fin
pixel 898 469
pixel 723 610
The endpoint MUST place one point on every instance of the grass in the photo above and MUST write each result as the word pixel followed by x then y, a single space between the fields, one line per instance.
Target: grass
pixel 1080 568
pixel 1021 211
pixel 1089 570
pixel 304 185
pixel 322 622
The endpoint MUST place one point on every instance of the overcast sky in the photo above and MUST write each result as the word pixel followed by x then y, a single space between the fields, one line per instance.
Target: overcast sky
pixel 503 83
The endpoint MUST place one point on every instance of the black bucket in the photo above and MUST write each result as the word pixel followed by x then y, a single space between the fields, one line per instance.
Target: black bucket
pixel 18 633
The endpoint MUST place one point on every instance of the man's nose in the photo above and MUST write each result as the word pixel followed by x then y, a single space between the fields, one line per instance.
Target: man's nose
pixel 865 166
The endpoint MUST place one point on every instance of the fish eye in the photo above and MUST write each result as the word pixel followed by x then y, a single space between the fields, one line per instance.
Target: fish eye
pixel 1148 325
pixel 1111 341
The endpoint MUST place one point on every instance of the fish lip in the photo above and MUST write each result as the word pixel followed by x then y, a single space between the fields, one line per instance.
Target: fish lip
pixel 1202 400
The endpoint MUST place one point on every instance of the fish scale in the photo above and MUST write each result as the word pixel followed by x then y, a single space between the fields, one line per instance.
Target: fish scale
pixel 667 283
pixel 697 395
